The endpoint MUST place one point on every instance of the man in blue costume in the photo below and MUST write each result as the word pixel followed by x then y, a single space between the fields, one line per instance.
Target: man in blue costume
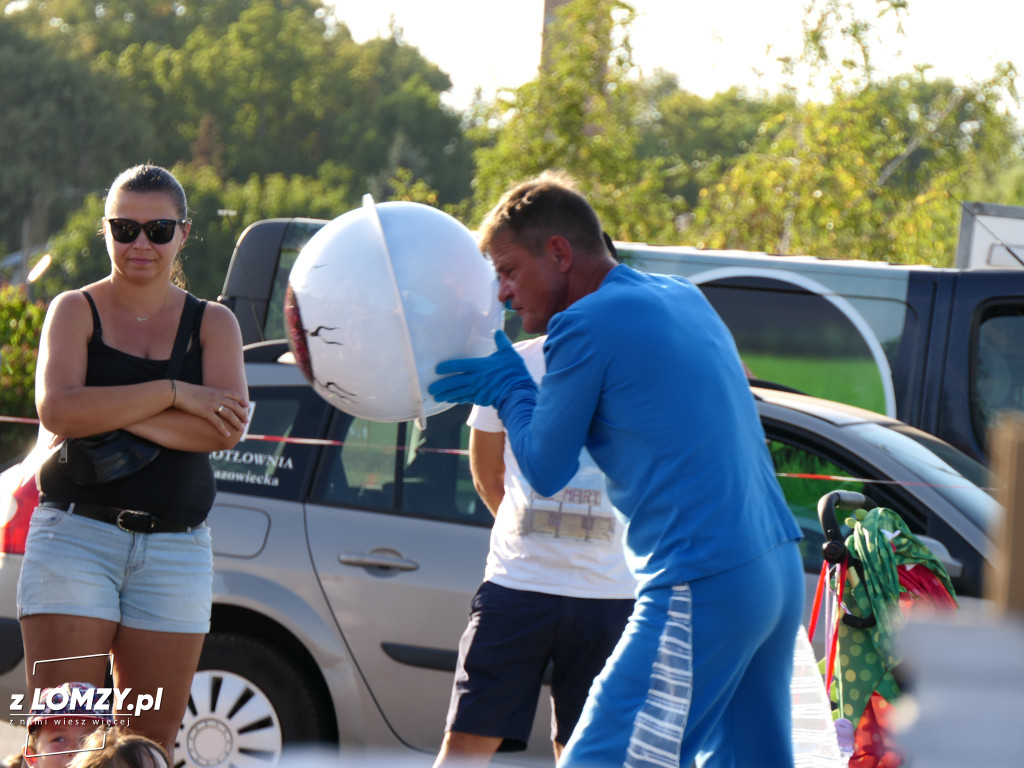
pixel 643 373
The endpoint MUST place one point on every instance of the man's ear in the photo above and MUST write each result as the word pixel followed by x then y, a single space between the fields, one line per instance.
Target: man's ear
pixel 30 757
pixel 561 250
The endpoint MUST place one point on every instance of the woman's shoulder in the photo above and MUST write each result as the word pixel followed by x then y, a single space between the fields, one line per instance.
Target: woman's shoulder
pixel 218 318
pixel 73 302
pixel 216 311
pixel 97 292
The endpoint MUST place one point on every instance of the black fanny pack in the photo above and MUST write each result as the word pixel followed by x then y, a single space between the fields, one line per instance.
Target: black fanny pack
pixel 109 456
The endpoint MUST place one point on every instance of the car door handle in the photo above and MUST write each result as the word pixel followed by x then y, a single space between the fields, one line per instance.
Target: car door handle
pixel 389 561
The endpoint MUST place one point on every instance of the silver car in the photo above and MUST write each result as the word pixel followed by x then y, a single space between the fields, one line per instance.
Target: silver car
pixel 347 552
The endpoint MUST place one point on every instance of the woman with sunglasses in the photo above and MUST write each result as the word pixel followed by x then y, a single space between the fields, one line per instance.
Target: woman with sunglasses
pixel 117 571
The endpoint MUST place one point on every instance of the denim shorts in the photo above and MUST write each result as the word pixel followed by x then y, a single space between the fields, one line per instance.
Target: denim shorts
pixel 76 566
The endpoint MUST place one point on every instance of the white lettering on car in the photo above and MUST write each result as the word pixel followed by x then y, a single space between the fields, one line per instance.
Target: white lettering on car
pixel 246 477
pixel 251 457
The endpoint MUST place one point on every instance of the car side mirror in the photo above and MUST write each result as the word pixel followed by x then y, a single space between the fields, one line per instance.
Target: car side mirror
pixel 954 567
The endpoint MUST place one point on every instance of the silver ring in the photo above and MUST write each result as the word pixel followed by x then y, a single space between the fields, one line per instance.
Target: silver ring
pixel 219 409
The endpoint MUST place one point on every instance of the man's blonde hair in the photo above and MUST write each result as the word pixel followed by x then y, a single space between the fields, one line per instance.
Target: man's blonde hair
pixel 534 210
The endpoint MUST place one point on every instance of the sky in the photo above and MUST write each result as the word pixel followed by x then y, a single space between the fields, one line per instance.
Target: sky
pixel 710 45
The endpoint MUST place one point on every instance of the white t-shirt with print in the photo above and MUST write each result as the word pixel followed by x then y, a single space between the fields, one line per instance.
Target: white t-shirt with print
pixel 569 544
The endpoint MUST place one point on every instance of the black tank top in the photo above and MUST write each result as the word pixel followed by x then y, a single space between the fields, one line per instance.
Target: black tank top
pixel 179 485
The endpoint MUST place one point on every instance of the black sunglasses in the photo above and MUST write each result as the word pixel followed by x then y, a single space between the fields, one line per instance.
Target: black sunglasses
pixel 158 231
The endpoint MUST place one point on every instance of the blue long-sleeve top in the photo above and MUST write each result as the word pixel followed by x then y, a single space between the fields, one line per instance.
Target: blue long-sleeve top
pixel 644 373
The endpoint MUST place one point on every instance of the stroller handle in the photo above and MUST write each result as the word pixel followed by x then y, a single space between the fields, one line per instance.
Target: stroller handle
pixel 834 548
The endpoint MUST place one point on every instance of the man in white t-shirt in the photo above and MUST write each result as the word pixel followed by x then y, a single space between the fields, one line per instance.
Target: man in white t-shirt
pixel 556 591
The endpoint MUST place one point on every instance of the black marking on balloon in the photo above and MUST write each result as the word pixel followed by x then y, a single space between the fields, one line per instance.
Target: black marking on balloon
pixel 337 389
pixel 315 333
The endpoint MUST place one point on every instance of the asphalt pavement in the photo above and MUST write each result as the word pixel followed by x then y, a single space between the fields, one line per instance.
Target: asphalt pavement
pixel 12 739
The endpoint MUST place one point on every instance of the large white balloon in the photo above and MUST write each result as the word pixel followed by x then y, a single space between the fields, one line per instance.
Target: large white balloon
pixel 381 295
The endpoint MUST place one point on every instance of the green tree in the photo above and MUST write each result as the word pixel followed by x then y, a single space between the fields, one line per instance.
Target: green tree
pixel 263 87
pixel 64 126
pixel 707 135
pixel 581 115
pixel 220 210
pixel 1003 183
pixel 876 173
pixel 91 28
pixel 231 98
pixel 21 321
pixel 77 252
pixel 388 115
pixel 206 257
pixel 237 94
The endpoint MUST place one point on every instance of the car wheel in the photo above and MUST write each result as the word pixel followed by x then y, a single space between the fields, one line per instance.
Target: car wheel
pixel 247 702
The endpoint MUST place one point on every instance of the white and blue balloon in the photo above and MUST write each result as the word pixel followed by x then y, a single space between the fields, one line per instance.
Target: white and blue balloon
pixel 381 295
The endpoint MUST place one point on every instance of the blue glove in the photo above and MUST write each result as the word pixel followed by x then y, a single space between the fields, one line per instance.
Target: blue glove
pixel 482 380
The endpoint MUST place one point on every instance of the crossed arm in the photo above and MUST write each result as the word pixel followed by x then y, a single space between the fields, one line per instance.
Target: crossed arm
pixel 182 417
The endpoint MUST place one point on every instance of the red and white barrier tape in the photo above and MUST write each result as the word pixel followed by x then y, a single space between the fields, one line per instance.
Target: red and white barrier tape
pixel 463 452
pixel 19 420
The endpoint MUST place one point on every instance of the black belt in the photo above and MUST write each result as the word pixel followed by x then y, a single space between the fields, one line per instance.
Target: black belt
pixel 129 520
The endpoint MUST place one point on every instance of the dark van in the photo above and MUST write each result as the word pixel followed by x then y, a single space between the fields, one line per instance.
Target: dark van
pixel 937 348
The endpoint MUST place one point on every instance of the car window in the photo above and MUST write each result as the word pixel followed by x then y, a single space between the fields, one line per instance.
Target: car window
pixel 403 468
pixel 267 462
pixel 809 344
pixel 362 467
pixel 998 367
pixel 949 472
pixel 296 236
pixel 805 477
pixel 807 470
pixel 436 480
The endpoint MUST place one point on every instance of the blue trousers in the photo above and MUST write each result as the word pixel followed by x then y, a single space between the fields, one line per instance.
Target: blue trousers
pixel 701 674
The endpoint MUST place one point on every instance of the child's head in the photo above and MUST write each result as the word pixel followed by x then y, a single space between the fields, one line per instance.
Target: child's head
pixel 67 717
pixel 118 749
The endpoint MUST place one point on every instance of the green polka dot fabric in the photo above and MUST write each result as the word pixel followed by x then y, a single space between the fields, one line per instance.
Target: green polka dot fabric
pixel 865 657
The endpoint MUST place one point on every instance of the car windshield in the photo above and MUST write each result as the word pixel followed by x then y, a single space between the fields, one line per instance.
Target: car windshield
pixel 951 473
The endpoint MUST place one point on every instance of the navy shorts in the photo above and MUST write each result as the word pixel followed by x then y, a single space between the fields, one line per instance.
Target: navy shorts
pixel 512 637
